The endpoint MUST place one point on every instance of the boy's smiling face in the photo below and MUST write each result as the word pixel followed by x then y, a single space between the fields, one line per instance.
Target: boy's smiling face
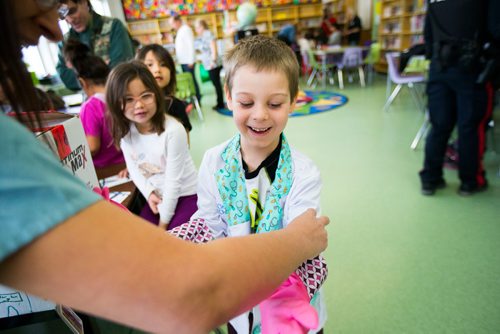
pixel 260 102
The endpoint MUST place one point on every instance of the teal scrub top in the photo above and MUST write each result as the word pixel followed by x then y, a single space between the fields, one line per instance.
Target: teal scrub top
pixel 36 192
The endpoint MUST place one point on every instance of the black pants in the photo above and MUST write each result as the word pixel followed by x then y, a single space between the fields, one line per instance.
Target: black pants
pixel 186 68
pixel 214 75
pixel 455 98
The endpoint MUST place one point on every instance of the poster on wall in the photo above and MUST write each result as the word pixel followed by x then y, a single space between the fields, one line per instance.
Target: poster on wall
pixel 147 9
pixel 144 9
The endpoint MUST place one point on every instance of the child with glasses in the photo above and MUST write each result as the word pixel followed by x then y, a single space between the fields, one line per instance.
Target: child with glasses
pixel 154 143
pixel 162 66
pixel 257 183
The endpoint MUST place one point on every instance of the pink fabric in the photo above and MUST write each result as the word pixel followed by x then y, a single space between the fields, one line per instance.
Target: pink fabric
pixel 288 310
pixel 104 192
pixel 95 125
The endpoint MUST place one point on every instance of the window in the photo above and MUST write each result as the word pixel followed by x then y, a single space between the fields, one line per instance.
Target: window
pixel 42 59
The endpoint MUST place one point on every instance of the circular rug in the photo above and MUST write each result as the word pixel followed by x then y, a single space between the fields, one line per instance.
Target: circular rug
pixel 309 103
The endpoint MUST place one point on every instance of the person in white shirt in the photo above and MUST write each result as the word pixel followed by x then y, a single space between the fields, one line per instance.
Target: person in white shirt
pixel 184 48
pixel 210 59
pixel 154 144
pixel 255 182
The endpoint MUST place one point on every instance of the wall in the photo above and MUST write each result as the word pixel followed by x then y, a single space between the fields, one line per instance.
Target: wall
pixel 364 10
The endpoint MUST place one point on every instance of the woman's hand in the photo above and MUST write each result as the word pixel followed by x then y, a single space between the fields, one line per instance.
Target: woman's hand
pixel 311 232
pixel 153 202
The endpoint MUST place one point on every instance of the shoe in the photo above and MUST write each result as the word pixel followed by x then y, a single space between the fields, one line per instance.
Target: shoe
pixel 429 188
pixel 467 190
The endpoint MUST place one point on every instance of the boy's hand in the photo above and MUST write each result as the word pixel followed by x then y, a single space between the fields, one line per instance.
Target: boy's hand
pixel 153 202
pixel 123 173
pixel 311 232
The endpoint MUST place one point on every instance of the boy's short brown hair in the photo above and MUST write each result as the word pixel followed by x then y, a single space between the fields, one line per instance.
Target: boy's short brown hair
pixel 263 53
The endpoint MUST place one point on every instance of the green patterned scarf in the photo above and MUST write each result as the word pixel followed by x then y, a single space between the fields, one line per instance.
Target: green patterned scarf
pixel 232 189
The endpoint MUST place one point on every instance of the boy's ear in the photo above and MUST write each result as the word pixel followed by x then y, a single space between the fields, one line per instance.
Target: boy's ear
pixel 228 97
pixel 292 105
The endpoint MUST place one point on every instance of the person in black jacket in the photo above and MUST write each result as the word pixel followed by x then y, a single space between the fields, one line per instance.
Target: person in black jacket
pixel 455 33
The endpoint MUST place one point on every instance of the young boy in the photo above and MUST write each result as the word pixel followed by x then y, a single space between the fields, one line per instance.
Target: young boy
pixel 255 182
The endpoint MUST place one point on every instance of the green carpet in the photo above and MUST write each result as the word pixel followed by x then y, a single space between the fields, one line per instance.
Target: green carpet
pixel 399 262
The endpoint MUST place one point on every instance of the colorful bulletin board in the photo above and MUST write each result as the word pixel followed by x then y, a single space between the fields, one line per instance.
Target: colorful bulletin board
pixel 147 9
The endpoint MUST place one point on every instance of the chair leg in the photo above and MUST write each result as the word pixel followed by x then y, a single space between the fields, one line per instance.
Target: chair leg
pixel 391 98
pixel 369 74
pixel 361 76
pixel 389 86
pixel 331 76
pixel 341 79
pixel 198 107
pixel 416 99
pixel 421 132
pixel 311 77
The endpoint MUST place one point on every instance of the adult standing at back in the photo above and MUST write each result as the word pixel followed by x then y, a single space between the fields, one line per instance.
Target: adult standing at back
pixel 353 27
pixel 184 48
pixel 210 59
pixel 106 37
pixel 455 32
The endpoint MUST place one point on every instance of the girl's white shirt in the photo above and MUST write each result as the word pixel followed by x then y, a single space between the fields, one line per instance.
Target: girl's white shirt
pixel 162 164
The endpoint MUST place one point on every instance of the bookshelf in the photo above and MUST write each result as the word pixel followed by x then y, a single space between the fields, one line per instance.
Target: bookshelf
pixel 269 21
pixel 401 26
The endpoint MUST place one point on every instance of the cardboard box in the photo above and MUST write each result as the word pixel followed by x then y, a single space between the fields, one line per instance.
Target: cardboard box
pixel 65 136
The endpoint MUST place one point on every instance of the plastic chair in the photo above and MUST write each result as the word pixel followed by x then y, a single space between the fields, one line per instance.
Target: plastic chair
pixel 371 59
pixel 351 59
pixel 394 76
pixel 317 69
pixel 186 91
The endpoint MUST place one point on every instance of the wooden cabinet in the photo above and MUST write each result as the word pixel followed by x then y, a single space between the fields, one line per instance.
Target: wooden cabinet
pixel 401 26
pixel 269 21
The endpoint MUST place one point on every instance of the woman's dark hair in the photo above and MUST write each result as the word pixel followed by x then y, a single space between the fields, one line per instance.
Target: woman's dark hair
pixel 14 77
pixel 77 2
pixel 163 56
pixel 116 91
pixel 86 65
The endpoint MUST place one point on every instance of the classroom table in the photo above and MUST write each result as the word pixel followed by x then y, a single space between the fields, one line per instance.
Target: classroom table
pixel 112 170
pixel 334 55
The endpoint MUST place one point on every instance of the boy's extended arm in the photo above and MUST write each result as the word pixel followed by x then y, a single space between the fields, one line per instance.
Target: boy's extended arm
pixel 107 262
